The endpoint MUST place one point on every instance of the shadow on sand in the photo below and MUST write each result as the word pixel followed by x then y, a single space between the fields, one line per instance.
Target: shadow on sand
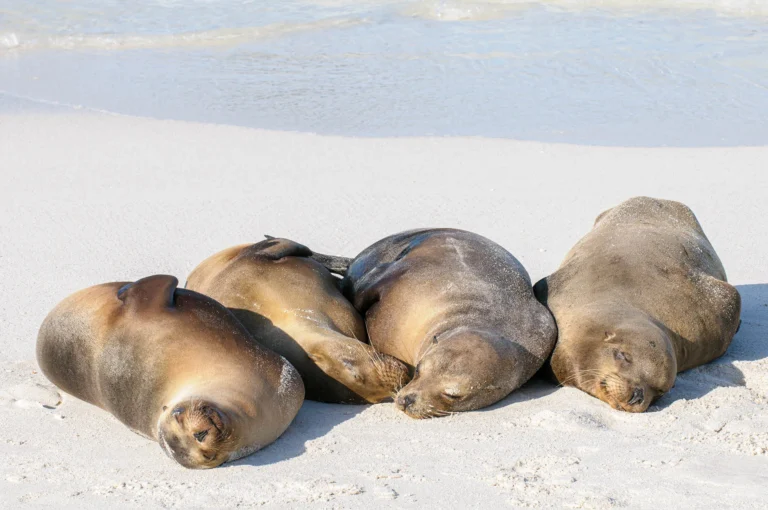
pixel 749 344
pixel 315 419
pixel 537 387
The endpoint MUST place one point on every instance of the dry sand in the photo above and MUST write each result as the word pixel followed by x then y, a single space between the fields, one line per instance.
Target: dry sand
pixel 93 198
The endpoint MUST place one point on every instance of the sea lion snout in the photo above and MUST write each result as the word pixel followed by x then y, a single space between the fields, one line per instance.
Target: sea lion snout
pixel 178 414
pixel 638 395
pixel 404 402
pixel 416 399
pixel 625 395
pixel 636 401
pixel 418 405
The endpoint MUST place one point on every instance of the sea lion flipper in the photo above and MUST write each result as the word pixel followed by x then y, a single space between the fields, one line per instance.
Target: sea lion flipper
pixel 275 248
pixel 726 303
pixel 151 292
pixel 334 264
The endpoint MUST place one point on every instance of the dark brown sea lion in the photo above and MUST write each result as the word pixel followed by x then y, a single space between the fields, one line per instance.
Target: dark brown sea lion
pixel 640 298
pixel 293 305
pixel 455 306
pixel 173 365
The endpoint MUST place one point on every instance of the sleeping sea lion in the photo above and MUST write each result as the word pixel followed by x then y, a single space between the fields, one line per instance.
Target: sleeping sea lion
pixel 293 305
pixel 173 365
pixel 457 308
pixel 640 298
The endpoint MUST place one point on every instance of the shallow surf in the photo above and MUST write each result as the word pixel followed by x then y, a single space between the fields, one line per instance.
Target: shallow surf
pixel 661 73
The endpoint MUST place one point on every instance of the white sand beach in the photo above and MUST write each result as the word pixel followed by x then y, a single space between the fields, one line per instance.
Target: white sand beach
pixel 89 198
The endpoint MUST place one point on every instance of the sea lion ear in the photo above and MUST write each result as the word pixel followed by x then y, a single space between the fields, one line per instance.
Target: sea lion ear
pixel 274 248
pixel 151 292
pixel 434 339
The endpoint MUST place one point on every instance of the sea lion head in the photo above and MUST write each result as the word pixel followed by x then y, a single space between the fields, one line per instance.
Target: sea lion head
pixel 460 371
pixel 196 433
pixel 372 375
pixel 628 366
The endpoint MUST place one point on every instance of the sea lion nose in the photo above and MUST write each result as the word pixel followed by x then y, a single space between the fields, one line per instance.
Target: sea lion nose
pixel 177 412
pixel 406 401
pixel 637 396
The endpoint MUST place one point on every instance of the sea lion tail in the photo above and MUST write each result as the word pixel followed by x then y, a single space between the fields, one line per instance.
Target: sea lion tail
pixel 334 264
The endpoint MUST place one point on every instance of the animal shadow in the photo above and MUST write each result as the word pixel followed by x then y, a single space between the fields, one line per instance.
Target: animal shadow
pixel 749 344
pixel 536 387
pixel 314 419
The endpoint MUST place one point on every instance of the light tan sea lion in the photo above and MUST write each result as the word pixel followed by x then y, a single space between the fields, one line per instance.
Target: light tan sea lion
pixel 292 305
pixel 456 307
pixel 640 298
pixel 173 365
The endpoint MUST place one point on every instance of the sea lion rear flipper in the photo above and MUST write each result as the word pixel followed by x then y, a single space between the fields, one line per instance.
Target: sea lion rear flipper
pixel 286 247
pixel 151 292
pixel 334 264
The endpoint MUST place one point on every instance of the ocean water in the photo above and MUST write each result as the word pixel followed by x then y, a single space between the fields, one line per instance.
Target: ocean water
pixel 600 72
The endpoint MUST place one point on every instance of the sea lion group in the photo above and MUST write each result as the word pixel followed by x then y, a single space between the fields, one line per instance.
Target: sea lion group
pixel 440 320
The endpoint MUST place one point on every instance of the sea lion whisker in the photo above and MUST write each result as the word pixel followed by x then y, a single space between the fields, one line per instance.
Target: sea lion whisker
pixel 579 374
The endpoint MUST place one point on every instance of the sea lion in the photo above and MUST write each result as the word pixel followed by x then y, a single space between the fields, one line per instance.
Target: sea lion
pixel 457 308
pixel 293 305
pixel 640 298
pixel 173 365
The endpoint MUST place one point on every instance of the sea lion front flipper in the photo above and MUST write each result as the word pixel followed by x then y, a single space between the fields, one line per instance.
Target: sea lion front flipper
pixel 725 301
pixel 151 292
pixel 274 248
